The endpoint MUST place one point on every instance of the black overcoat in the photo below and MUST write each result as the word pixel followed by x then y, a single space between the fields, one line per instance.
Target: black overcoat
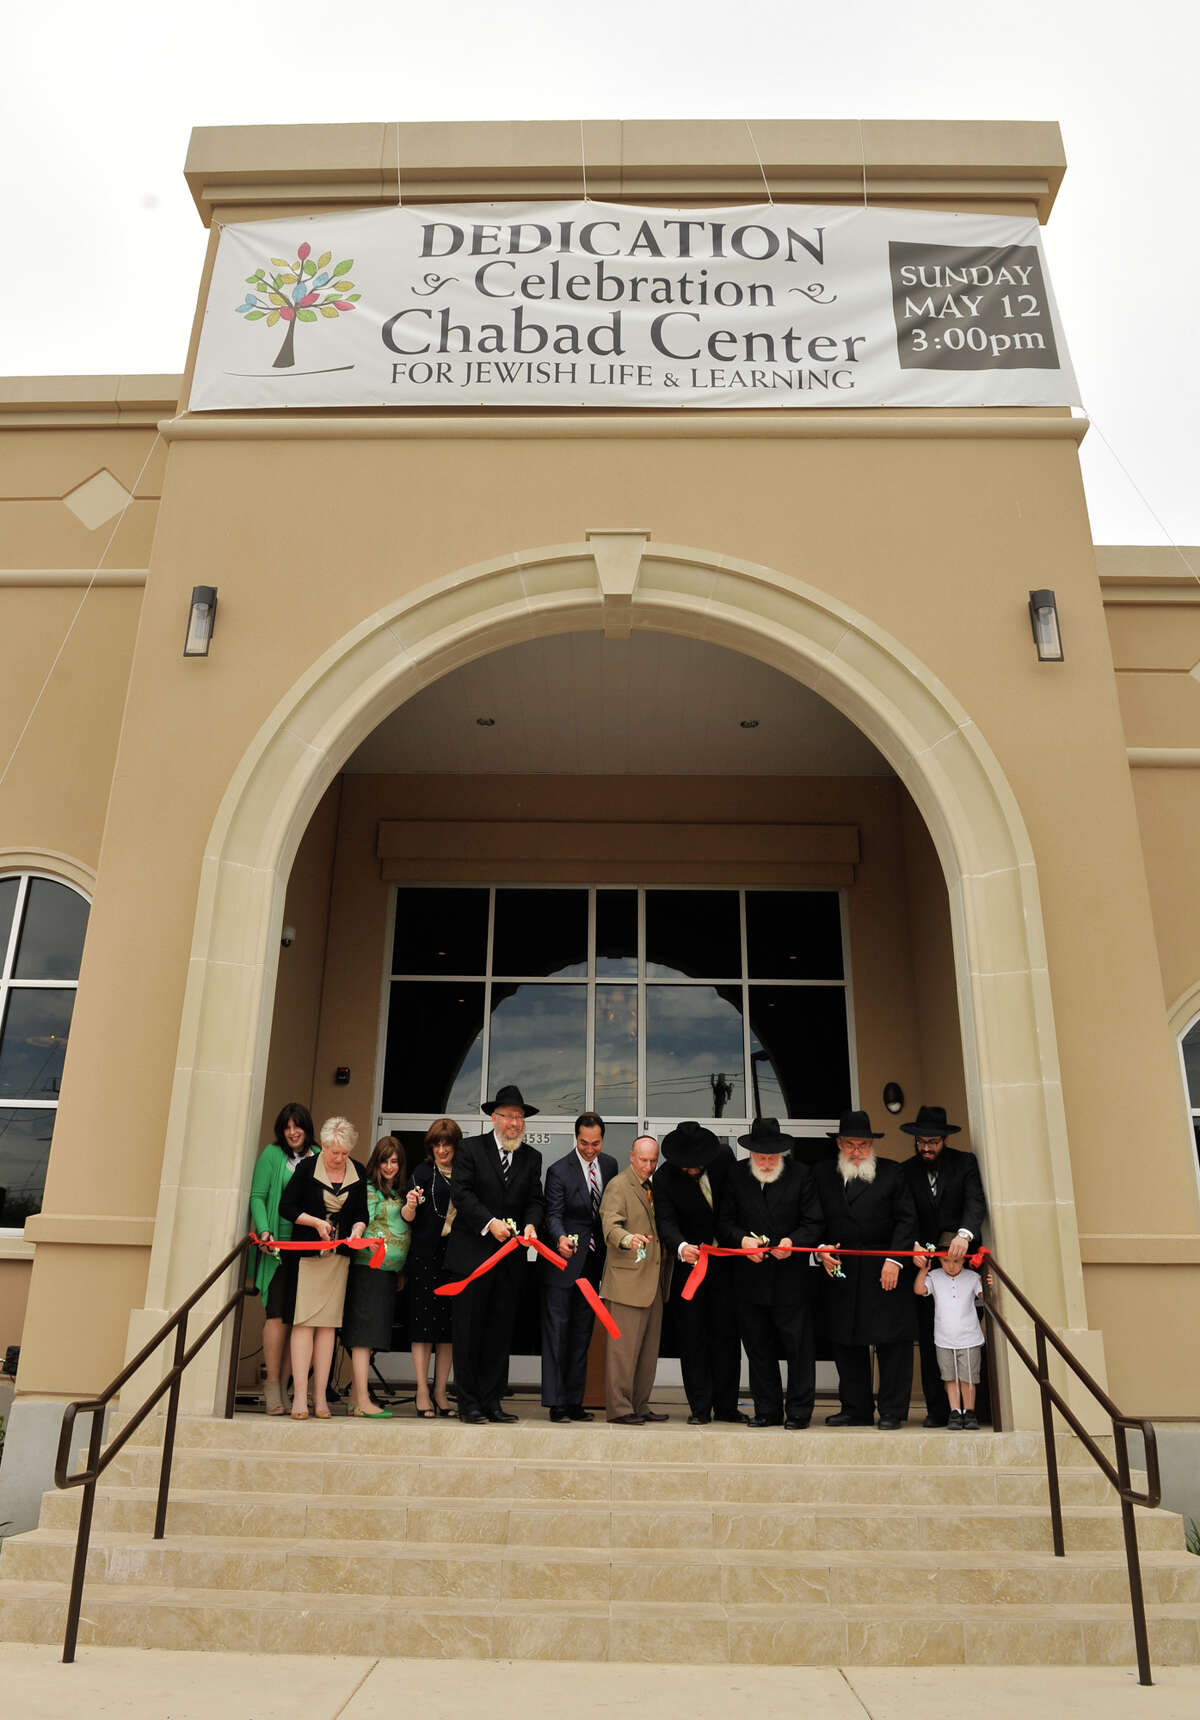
pixel 788 1207
pixel 480 1193
pixel 960 1203
pixel 856 1309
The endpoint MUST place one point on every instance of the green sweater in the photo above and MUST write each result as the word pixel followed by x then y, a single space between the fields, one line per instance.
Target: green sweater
pixel 272 1174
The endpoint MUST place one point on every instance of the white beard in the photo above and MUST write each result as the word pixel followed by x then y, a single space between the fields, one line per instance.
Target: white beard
pixel 860 1170
pixel 767 1176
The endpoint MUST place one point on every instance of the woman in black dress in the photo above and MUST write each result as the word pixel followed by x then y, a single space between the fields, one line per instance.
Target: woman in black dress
pixel 429 1315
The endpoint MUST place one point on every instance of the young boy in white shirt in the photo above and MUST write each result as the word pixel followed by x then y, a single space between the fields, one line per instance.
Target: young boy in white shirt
pixel 957 1334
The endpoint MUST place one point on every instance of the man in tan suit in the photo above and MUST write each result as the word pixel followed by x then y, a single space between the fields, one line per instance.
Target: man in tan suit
pixel 636 1273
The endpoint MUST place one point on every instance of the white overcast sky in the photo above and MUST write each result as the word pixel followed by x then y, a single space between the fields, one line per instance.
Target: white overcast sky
pixel 97 101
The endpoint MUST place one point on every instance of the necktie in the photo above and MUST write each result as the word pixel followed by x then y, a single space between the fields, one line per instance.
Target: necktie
pixel 706 1188
pixel 505 1166
pixel 594 1191
pixel 933 1183
pixel 649 1194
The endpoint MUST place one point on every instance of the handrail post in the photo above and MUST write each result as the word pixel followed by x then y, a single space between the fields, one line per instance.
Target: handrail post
pixel 1137 1599
pixel 235 1343
pixel 1056 1516
pixel 168 1451
pixel 83 1539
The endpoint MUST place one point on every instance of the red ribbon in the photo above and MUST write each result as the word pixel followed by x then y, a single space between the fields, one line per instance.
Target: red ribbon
pixel 584 1285
pixel 699 1270
pixel 377 1245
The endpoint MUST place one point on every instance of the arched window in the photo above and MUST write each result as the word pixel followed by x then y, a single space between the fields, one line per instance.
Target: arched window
pixel 1189 1048
pixel 42 926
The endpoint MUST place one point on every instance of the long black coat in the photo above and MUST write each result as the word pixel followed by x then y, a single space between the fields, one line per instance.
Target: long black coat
pixel 479 1193
pixel 681 1211
pixel 856 1308
pixel 788 1207
pixel 960 1204
pixel 569 1213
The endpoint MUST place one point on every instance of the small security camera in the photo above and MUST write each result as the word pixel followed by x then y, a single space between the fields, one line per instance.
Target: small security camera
pixel 288 937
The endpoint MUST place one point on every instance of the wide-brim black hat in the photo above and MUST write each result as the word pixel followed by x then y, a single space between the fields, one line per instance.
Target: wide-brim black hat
pixel 691 1146
pixel 507 1096
pixel 765 1137
pixel 931 1120
pixel 855 1124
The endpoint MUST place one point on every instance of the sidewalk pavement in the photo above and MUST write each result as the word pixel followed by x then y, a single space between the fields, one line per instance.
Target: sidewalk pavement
pixel 154 1684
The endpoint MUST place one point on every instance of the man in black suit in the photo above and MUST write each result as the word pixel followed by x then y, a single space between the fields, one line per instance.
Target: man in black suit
pixel 496 1188
pixel 574 1185
pixel 688 1189
pixel 867 1204
pixel 948 1194
pixel 770 1199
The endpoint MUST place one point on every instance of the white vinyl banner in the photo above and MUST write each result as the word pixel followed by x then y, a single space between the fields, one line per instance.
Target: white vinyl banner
pixel 599 304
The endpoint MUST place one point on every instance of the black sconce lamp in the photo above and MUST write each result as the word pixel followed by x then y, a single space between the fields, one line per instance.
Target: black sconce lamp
pixel 201 615
pixel 1043 618
pixel 893 1098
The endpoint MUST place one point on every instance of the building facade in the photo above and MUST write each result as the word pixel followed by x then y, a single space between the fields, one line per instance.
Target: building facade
pixel 670 762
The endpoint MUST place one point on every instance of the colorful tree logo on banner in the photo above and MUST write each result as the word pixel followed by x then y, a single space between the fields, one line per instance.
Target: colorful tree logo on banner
pixel 301 291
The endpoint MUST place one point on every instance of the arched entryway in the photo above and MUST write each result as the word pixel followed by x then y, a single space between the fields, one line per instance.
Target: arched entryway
pixel 618 581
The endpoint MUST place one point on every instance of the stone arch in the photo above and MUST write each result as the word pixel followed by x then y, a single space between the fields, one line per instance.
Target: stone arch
pixel 618 581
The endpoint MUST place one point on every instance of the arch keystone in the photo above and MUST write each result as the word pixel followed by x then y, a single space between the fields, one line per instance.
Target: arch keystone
pixel 618 552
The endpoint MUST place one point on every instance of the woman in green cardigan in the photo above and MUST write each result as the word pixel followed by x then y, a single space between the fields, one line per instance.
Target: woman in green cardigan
pixel 292 1141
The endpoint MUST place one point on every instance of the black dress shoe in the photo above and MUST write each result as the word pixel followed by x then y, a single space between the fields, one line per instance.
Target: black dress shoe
pixel 795 1426
pixel 560 1415
pixel 500 1415
pixel 764 1421
pixel 698 1420
pixel 843 1418
pixel 628 1421
pixel 654 1415
pixel 738 1417
pixel 474 1416
pixel 934 1421
pixel 889 1423
pixel 576 1412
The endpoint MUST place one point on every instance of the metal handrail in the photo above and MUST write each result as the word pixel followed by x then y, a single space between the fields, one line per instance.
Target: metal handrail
pixel 98 1460
pixel 1119 1474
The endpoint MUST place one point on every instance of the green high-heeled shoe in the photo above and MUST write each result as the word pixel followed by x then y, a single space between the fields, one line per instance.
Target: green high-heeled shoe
pixel 371 1414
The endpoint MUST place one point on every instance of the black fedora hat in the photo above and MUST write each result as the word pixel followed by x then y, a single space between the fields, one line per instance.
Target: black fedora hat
pixel 765 1137
pixel 931 1120
pixel 855 1124
pixel 691 1145
pixel 504 1097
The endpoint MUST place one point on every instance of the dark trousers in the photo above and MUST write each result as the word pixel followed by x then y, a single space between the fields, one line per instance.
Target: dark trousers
pixel 710 1351
pixel 937 1404
pixel 482 1328
pixel 895 1380
pixel 567 1323
pixel 766 1330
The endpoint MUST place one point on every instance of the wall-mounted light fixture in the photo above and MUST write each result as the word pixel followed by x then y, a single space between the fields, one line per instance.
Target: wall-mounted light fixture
pixel 1043 618
pixel 893 1098
pixel 201 615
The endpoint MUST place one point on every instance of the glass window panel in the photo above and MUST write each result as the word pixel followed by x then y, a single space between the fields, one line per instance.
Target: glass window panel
pixel 616 934
pixel 804 1069
pixel 8 901
pixel 541 932
pixel 1191 1061
pixel 440 931
pixel 694 1051
pixel 539 1043
pixel 616 1051
pixel 793 934
pixel 33 1042
pixel 618 1138
pixel 51 940
pixel 24 1149
pixel 693 934
pixel 433 1060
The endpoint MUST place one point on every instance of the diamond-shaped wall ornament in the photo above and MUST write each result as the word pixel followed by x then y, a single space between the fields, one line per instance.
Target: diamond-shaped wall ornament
pixel 97 500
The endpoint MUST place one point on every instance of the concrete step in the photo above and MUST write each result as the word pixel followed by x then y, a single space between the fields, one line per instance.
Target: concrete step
pixel 500 1520
pixel 732 1576
pixel 639 1630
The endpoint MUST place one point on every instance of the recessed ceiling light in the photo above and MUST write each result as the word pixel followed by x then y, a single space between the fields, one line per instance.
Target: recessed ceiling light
pixel 486 722
pixel 748 723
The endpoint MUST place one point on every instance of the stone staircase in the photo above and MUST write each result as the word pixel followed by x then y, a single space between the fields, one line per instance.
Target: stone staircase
pixel 834 1547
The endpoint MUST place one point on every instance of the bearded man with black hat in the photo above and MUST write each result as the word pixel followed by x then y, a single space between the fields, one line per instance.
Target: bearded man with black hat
pixel 688 1189
pixel 951 1206
pixel 770 1206
pixel 496 1192
pixel 867 1204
